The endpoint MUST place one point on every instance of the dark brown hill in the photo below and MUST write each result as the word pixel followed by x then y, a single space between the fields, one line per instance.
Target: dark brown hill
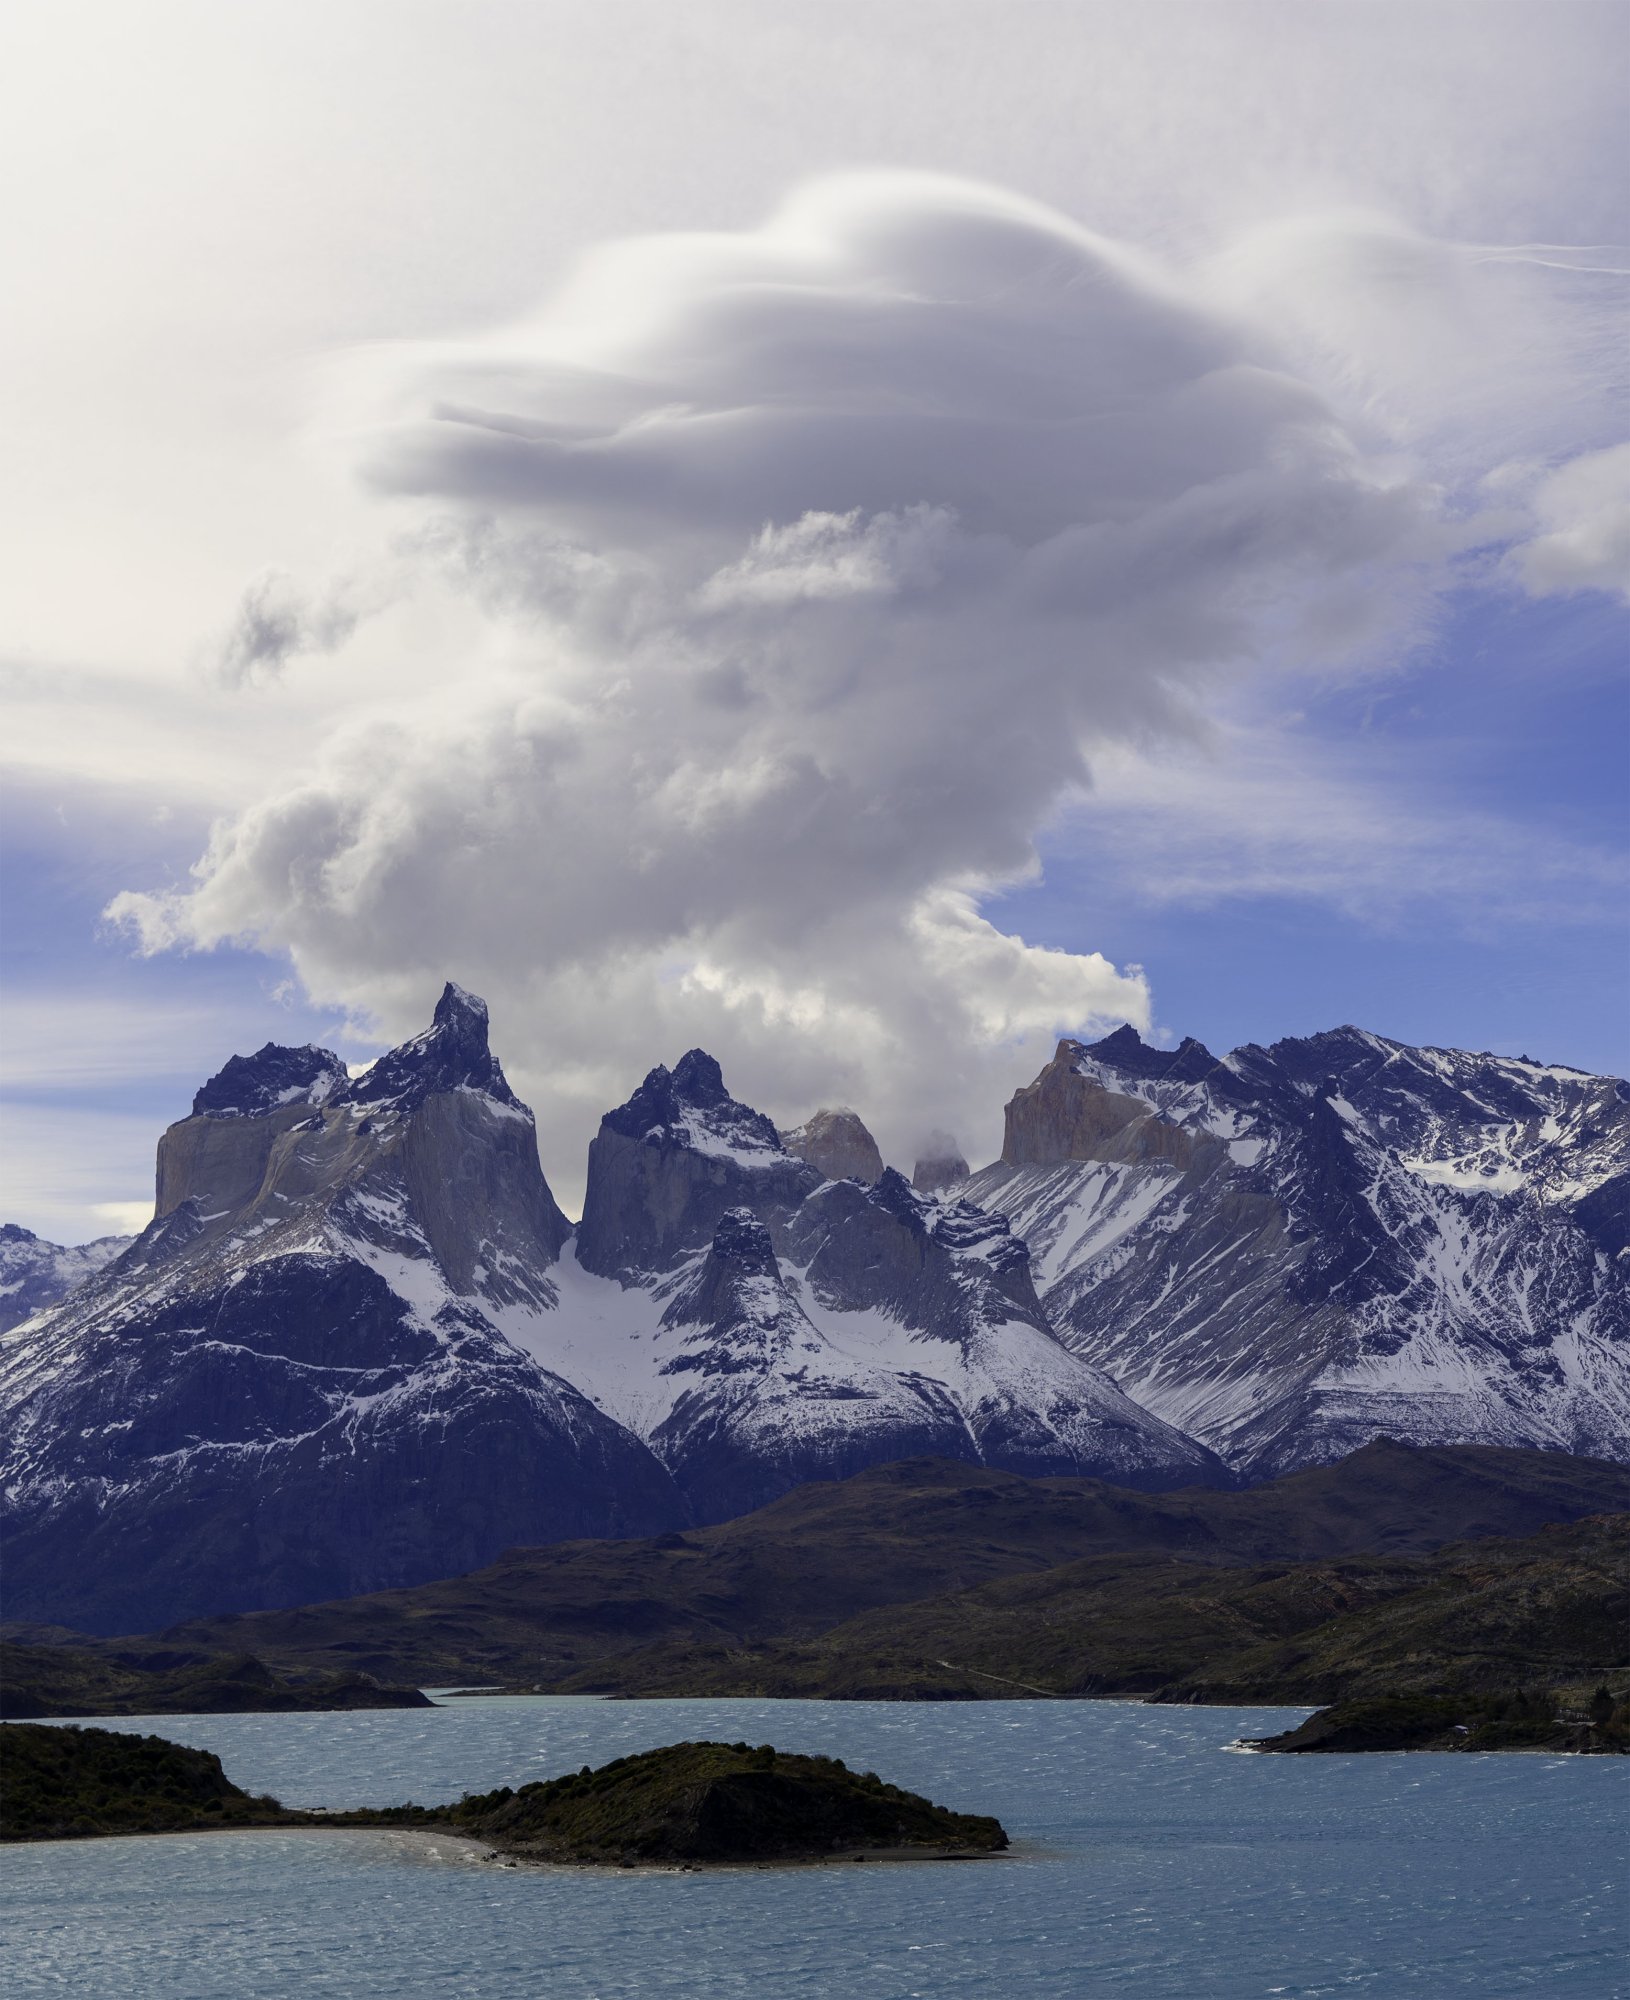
pixel 1488 1616
pixel 56 1680
pixel 918 1529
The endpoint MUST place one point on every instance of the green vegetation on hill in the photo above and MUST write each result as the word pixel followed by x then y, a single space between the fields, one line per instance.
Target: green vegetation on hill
pixel 712 1802
pixel 687 1802
pixel 39 1680
pixel 66 1784
pixel 833 1552
pixel 1539 1719
pixel 1482 1615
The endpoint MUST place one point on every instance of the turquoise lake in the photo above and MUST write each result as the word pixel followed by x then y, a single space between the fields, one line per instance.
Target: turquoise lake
pixel 1150 1861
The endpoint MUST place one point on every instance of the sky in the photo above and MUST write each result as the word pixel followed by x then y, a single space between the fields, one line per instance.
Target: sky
pixel 864 537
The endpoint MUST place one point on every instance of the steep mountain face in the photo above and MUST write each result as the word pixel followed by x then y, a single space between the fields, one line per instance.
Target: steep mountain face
pixel 292 1384
pixel 940 1164
pixel 838 1144
pixel 666 1166
pixel 1288 1251
pixel 34 1274
pixel 761 1325
pixel 763 1398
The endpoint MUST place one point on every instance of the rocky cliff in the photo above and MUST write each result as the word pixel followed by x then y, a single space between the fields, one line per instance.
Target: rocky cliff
pixel 291 1385
pixel 1290 1250
pixel 666 1166
pixel 760 1324
pixel 838 1144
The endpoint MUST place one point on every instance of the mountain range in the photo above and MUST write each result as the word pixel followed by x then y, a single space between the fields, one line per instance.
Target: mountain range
pixel 361 1346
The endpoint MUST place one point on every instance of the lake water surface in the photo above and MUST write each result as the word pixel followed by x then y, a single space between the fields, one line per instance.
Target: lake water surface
pixel 1150 1862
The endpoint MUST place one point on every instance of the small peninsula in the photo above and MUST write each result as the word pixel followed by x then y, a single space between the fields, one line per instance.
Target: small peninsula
pixel 56 1681
pixel 1541 1719
pixel 72 1784
pixel 683 1804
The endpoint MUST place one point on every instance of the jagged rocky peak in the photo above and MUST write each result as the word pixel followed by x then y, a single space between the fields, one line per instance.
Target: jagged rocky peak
pixel 429 1149
pixel 837 1142
pixel 35 1274
pixel 1101 1101
pixel 274 1078
pixel 665 1167
pixel 1291 1249
pixel 939 1164
pixel 738 1279
pixel 451 1054
pixel 689 1106
pixel 933 1264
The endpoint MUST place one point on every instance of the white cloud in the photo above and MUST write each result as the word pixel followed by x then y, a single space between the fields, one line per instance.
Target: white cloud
pixel 124 1218
pixel 817 563
pixel 1267 810
pixel 1583 510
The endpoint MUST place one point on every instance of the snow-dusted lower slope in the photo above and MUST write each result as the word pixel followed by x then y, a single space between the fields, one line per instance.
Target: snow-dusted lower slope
pixel 291 1386
pixel 35 1274
pixel 1291 1250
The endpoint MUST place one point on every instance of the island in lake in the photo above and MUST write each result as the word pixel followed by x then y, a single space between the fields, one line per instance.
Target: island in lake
pixel 687 1803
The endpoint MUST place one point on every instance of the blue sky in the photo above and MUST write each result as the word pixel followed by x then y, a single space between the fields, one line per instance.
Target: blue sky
pixel 1210 499
pixel 1514 709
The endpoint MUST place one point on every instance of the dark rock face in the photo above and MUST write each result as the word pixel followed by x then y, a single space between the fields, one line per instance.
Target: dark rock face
pixel 666 1166
pixel 764 1402
pixel 959 1280
pixel 271 1080
pixel 838 1144
pixel 946 1267
pixel 311 1438
pixel 292 1385
pixel 1288 1251
pixel 811 1327
pixel 452 1054
pixel 35 1274
pixel 940 1164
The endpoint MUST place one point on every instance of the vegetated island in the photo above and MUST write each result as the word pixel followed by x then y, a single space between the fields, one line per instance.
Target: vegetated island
pixel 686 1804
pixel 1537 1719
pixel 55 1680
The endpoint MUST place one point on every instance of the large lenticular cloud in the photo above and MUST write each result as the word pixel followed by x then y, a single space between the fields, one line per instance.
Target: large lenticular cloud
pixel 813 565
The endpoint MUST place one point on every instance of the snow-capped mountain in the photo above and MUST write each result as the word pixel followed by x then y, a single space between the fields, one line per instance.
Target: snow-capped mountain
pixel 34 1274
pixel 760 1324
pixel 1288 1251
pixel 291 1386
pixel 361 1345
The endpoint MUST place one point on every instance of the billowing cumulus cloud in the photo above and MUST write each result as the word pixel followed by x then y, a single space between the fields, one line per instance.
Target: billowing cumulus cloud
pixel 810 569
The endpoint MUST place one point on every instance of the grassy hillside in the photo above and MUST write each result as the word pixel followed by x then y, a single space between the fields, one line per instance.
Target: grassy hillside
pixel 1527 1719
pixel 67 1784
pixel 710 1802
pixel 831 1552
pixel 71 1680
pixel 685 1802
pixel 1482 1615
